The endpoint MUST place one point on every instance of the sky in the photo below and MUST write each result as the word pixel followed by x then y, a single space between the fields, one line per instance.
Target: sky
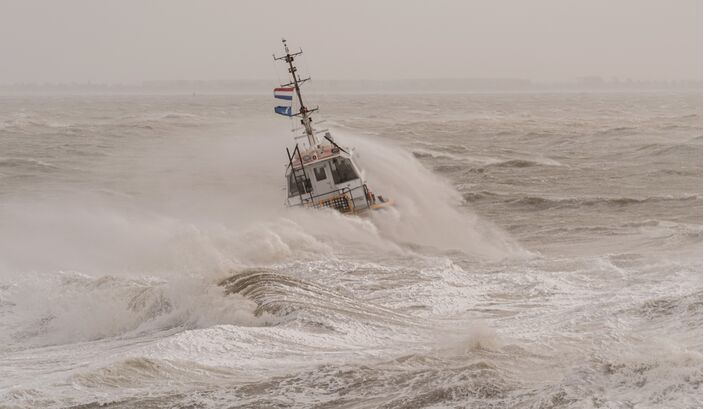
pixel 542 40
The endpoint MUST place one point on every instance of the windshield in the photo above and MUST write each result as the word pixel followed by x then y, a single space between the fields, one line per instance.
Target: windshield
pixel 342 170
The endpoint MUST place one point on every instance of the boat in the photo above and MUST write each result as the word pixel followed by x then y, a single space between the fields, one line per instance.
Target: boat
pixel 320 173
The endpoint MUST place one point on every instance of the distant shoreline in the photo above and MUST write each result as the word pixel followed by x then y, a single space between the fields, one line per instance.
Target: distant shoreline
pixel 333 87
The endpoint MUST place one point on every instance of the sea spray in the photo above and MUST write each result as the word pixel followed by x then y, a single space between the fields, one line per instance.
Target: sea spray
pixel 427 208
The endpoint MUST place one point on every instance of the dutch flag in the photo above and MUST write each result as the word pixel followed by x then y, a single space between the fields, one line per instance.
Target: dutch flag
pixel 287 95
pixel 283 110
pixel 283 93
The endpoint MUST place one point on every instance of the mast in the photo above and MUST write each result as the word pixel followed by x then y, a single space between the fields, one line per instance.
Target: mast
pixel 304 112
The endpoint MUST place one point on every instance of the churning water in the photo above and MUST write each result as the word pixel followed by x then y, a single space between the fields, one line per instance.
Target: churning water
pixel 546 252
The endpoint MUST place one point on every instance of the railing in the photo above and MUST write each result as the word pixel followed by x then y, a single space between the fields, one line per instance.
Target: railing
pixel 341 200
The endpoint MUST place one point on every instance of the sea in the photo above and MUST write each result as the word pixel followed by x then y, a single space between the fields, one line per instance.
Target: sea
pixel 544 251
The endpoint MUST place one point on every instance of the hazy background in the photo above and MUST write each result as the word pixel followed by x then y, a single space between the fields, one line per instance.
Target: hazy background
pixel 545 249
pixel 541 40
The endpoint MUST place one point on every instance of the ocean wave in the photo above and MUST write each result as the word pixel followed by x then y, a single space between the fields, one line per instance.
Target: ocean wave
pixel 134 372
pixel 668 306
pixel 479 196
pixel 84 308
pixel 617 130
pixel 683 150
pixel 448 168
pixel 525 163
pixel 536 134
pixel 643 223
pixel 281 295
pixel 415 378
pixel 669 127
pixel 486 162
pixel 178 115
pixel 544 203
pixel 426 154
pixel 631 380
pixel 677 172
pixel 107 306
pixel 26 163
pixel 27 122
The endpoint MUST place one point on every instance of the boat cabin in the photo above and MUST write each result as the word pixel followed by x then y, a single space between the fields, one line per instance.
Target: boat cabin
pixel 326 176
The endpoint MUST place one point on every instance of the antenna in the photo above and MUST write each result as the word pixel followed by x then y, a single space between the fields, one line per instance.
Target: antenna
pixel 303 112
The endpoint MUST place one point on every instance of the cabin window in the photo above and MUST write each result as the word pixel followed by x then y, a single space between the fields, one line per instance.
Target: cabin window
pixel 342 170
pixel 320 173
pixel 293 185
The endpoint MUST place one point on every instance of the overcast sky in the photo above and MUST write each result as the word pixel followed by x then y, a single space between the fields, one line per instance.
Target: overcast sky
pixel 543 40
